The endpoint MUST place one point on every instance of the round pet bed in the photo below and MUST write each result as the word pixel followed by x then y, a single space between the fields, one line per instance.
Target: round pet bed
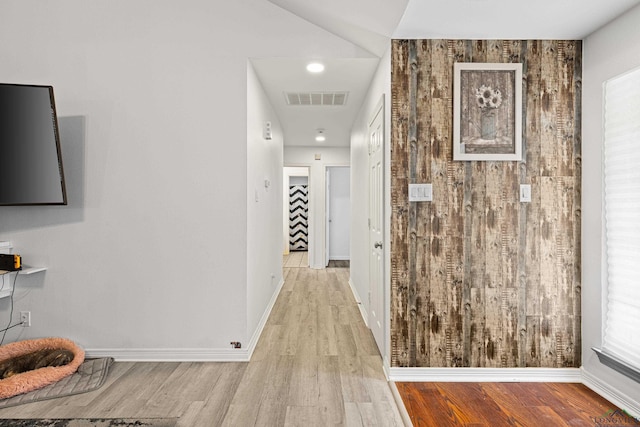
pixel 32 380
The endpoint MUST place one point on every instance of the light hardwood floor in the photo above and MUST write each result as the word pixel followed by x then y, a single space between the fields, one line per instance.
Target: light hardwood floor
pixel 315 364
pixel 296 259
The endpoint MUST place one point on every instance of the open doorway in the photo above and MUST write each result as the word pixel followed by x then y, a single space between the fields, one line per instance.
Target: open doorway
pixel 337 216
pixel 296 217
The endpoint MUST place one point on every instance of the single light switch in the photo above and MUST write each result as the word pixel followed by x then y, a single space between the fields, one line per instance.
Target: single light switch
pixel 525 193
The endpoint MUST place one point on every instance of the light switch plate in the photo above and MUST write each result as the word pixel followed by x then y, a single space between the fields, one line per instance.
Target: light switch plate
pixel 266 131
pixel 420 193
pixel 525 193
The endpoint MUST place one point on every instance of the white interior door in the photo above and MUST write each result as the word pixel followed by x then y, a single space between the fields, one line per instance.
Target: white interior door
pixel 339 199
pixel 376 227
pixel 327 217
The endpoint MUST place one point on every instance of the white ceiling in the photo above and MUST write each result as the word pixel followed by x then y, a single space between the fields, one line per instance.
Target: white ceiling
pixel 370 24
pixel 366 23
pixel 300 123
pixel 508 19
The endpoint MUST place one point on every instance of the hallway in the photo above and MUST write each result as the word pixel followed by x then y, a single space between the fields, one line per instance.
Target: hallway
pixel 316 362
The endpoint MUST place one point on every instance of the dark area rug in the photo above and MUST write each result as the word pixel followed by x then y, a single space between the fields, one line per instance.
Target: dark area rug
pixel 91 422
pixel 338 264
pixel 89 376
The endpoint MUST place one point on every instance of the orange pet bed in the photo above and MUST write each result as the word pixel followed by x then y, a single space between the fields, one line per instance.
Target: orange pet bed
pixel 30 380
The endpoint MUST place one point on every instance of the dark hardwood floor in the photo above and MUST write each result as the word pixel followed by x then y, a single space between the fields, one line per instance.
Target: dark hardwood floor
pixel 508 404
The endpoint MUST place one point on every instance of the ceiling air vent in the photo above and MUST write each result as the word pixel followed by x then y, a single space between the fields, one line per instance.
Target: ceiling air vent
pixel 316 98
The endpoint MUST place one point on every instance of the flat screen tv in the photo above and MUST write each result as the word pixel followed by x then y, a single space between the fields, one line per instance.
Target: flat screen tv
pixel 30 159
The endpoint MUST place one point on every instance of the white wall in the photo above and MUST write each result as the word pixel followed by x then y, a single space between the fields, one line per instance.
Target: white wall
pixel 305 156
pixel 299 180
pixel 264 205
pixel 380 86
pixel 150 258
pixel 608 52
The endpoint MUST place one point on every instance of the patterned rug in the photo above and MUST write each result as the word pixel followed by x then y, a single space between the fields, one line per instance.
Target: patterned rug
pixel 91 422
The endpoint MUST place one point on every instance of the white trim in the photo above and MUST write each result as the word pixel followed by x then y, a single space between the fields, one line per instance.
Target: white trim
pixel 386 367
pixel 171 354
pixel 327 256
pixel 311 217
pixel 566 375
pixel 614 396
pixel 263 321
pixel 380 110
pixel 404 414
pixel 189 354
pixel 363 312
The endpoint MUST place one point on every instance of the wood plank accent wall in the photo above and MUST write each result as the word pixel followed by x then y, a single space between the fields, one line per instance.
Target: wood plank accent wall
pixel 478 278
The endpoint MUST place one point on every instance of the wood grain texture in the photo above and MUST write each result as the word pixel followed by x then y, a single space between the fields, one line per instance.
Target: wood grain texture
pixel 502 404
pixel 477 278
pixel 316 364
pixel 399 203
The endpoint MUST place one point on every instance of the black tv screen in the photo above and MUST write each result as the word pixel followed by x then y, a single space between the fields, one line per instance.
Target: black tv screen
pixel 30 159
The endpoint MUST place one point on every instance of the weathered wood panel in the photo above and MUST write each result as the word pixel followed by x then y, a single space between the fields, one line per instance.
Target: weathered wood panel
pixel 478 278
pixel 399 204
pixel 577 200
pixel 530 265
pixel 423 172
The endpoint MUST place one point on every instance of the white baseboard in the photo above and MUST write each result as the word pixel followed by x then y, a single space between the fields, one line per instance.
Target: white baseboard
pixel 406 419
pixel 339 258
pixel 567 375
pixel 263 321
pixel 570 375
pixel 189 354
pixel 614 396
pixel 363 313
pixel 171 354
pixel 386 367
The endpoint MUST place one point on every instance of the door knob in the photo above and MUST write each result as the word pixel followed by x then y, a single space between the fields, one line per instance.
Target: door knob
pixel 377 245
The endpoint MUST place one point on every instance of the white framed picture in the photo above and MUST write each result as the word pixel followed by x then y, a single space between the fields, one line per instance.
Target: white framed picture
pixel 487 111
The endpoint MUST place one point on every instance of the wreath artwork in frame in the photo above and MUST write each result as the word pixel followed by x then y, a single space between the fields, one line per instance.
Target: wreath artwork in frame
pixel 487 111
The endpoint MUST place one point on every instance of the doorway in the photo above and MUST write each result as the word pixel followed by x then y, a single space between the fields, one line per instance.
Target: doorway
pixel 337 214
pixel 296 236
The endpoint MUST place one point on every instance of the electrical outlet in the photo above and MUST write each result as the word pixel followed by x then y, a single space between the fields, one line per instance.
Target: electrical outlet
pixel 25 318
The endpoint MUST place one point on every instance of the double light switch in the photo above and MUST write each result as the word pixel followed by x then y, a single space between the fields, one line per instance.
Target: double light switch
pixel 420 193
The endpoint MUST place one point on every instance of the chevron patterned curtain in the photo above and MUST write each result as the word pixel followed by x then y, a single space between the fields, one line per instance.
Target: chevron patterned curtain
pixel 298 213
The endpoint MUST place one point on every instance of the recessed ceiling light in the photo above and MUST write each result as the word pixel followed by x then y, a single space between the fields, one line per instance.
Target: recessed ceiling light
pixel 320 136
pixel 315 67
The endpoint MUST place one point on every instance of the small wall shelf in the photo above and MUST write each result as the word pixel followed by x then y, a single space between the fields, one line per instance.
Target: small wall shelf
pixel 26 270
pixel 8 278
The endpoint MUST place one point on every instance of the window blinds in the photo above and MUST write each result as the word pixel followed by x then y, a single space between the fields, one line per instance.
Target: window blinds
pixel 622 216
